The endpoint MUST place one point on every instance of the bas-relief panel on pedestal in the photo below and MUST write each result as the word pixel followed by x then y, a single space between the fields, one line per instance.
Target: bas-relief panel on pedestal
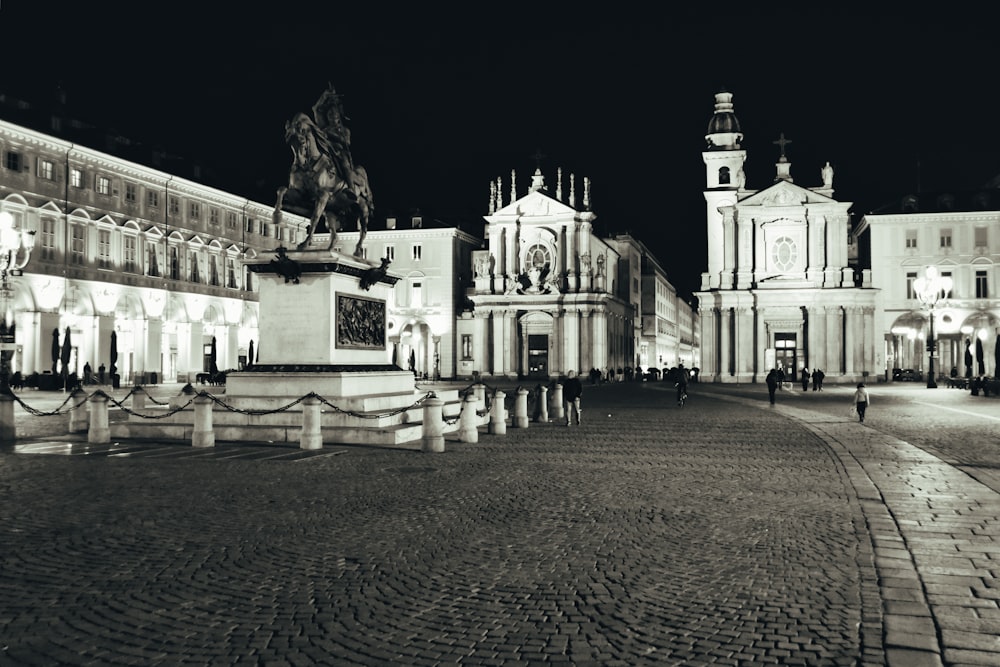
pixel 360 323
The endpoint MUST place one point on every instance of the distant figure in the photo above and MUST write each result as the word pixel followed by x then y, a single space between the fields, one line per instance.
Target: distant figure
pixel 772 384
pixel 88 373
pixel 861 401
pixel 100 373
pixel 817 378
pixel 572 393
pixel 805 379
pixel 681 377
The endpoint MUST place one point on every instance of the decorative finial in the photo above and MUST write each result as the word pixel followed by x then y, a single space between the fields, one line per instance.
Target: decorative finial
pixel 499 193
pixel 559 183
pixel 513 185
pixel 586 193
pixel 493 197
pixel 572 190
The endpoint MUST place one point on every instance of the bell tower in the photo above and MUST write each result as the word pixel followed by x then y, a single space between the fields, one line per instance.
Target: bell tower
pixel 725 181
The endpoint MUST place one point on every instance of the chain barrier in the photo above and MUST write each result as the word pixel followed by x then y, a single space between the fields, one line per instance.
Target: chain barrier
pixel 218 401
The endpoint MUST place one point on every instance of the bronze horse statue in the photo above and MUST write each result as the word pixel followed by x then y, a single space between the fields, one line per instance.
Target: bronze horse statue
pixel 317 188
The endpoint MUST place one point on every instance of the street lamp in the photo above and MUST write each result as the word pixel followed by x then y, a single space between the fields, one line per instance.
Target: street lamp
pixel 15 249
pixel 930 289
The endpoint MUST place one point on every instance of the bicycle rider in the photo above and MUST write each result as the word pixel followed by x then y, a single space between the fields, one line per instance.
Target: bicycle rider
pixel 682 383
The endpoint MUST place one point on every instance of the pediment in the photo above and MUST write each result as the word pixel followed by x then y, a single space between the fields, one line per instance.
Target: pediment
pixel 533 204
pixel 784 193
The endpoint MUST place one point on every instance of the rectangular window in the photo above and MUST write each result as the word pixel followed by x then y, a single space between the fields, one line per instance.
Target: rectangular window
pixel 103 185
pixel 152 198
pixel 174 205
pixel 981 237
pixel 131 192
pixel 466 346
pixel 213 216
pixel 911 238
pixel 264 229
pixel 947 294
pixel 213 272
pixel 910 278
pixel 12 161
pixel 152 260
pixel 104 248
pixel 78 244
pixel 194 211
pixel 250 226
pixel 46 170
pixel 231 273
pixel 76 177
pixel 416 295
pixel 230 220
pixel 981 291
pixel 48 238
pixel 195 275
pixel 129 254
pixel 417 251
pixel 175 265
pixel 390 252
pixel 945 238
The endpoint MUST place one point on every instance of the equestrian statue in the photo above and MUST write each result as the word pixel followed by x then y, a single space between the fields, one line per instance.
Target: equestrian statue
pixel 324 182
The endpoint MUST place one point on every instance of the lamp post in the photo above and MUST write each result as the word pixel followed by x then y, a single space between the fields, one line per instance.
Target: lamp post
pixel 15 249
pixel 930 288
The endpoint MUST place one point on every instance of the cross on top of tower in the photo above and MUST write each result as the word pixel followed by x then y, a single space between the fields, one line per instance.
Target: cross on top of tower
pixel 781 143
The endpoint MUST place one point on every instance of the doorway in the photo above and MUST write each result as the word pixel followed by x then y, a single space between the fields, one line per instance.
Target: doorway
pixel 786 354
pixel 538 355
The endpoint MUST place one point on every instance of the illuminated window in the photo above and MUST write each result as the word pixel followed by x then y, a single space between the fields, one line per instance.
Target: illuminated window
pixel 78 244
pixel 76 177
pixel 46 170
pixel 103 185
pixel 104 248
pixel 129 253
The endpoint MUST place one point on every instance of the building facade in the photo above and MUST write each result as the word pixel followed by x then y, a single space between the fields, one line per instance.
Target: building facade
pixel 547 296
pixel 124 249
pixel 780 290
pixel 958 233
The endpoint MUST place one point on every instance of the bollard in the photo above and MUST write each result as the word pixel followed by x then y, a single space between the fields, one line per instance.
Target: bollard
pixel 480 391
pixel 521 409
pixel 99 433
pixel 433 440
pixel 468 430
pixel 138 399
pixel 8 432
pixel 498 417
pixel 543 404
pixel 78 417
pixel 202 435
pixel 312 434
pixel 558 410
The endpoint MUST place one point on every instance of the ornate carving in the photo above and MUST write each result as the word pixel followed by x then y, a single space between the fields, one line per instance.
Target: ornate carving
pixel 285 266
pixel 374 274
pixel 360 323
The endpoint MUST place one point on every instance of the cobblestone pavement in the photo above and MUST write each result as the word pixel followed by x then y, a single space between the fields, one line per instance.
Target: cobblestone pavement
pixel 724 532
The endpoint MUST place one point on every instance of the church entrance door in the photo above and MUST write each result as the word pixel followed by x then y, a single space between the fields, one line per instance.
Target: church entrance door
pixel 785 355
pixel 538 355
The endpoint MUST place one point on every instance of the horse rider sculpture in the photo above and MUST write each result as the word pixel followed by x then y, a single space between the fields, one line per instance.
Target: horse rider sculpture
pixel 323 182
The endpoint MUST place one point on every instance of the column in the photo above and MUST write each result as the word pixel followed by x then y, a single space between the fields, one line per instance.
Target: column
pixel 834 341
pixel 850 339
pixel 744 344
pixel 725 344
pixel 709 365
pixel 868 343
pixel 496 326
pixel 154 349
pixel 586 338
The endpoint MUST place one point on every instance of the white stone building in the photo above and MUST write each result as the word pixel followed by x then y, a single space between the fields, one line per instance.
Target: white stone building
pixel 780 290
pixel 959 234
pixel 125 248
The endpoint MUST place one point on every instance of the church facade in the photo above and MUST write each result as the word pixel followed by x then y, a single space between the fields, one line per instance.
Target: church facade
pixel 780 290
pixel 547 296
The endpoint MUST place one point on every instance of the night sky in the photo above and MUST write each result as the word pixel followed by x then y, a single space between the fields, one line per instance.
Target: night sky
pixel 441 104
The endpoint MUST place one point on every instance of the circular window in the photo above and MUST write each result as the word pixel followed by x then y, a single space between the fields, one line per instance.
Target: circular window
pixel 536 257
pixel 784 254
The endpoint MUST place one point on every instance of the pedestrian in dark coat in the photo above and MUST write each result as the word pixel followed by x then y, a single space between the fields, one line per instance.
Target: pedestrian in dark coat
pixel 772 384
pixel 805 379
pixel 572 393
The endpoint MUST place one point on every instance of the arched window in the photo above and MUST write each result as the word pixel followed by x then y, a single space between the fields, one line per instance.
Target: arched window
pixel 536 257
pixel 724 176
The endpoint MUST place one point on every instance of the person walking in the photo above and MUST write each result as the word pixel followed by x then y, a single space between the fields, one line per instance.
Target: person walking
pixel 772 384
pixel 805 379
pixel 572 393
pixel 861 401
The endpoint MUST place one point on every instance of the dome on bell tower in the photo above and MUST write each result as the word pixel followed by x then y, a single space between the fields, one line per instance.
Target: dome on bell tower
pixel 724 131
